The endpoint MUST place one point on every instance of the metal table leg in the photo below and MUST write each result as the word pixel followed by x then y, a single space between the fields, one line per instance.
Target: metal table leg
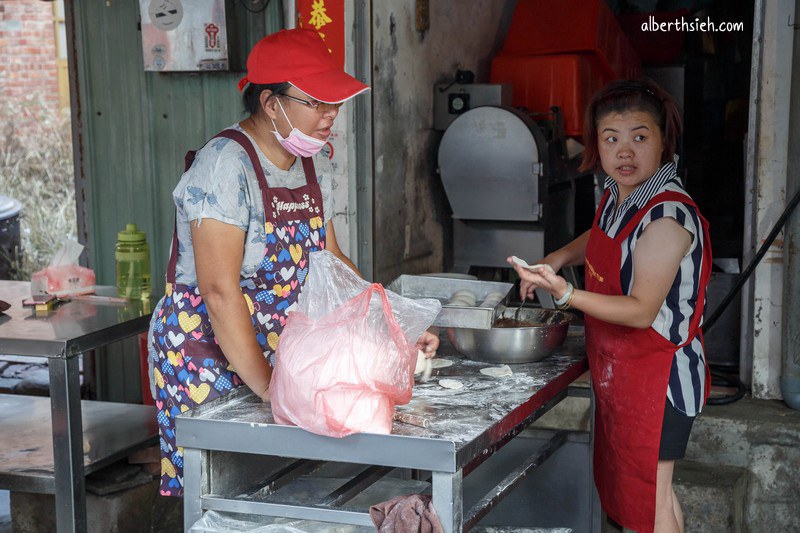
pixel 70 482
pixel 194 486
pixel 448 500
pixel 596 510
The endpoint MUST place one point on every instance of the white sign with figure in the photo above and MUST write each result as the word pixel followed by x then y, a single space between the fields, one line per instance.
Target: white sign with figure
pixel 184 35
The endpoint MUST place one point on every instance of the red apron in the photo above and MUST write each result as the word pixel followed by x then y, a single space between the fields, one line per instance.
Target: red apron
pixel 630 371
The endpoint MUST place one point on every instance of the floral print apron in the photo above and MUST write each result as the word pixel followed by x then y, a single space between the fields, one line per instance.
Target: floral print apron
pixel 190 368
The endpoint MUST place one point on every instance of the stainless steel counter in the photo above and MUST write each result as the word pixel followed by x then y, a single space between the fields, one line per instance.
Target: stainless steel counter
pixel 70 329
pixel 464 428
pixel 61 336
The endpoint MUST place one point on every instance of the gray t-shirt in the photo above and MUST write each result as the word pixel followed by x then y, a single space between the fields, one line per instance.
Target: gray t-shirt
pixel 222 185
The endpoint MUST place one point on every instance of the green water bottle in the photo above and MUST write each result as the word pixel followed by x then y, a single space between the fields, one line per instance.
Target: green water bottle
pixel 133 264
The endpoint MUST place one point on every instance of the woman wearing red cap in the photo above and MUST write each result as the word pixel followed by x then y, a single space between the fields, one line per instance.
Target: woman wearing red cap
pixel 251 206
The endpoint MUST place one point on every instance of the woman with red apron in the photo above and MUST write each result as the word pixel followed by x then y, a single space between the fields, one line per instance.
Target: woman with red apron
pixel 240 249
pixel 647 259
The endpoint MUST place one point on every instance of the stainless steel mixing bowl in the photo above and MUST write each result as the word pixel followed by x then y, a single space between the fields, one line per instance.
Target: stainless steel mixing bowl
pixel 514 345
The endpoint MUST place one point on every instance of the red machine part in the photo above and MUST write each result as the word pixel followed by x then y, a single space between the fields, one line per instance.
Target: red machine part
pixel 540 82
pixel 559 56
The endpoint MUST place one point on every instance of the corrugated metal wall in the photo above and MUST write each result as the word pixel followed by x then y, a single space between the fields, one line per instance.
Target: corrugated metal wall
pixel 134 128
pixel 137 125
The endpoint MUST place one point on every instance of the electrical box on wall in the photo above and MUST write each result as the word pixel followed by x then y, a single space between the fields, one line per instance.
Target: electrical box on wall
pixel 184 35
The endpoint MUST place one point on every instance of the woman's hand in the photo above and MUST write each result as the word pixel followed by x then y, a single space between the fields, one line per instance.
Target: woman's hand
pixel 552 283
pixel 572 254
pixel 530 280
pixel 429 342
pixel 656 260
pixel 265 395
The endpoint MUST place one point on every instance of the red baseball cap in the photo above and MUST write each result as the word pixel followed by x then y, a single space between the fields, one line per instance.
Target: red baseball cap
pixel 301 58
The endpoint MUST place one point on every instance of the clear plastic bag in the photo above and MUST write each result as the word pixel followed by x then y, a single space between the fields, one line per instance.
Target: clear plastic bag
pixel 221 522
pixel 346 356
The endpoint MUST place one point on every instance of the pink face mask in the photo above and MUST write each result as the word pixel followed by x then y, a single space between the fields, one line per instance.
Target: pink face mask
pixel 297 143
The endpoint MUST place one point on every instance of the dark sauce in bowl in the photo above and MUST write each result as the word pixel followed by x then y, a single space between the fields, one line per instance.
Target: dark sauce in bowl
pixel 511 323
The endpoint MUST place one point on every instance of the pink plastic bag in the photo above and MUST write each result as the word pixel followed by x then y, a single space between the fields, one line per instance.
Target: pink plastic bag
pixel 346 356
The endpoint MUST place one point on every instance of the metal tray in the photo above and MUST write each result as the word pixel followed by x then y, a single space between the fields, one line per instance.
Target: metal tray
pixel 443 288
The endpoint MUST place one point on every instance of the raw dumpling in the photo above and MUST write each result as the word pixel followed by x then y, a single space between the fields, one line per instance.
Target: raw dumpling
pixel 463 298
pixel 424 366
pixel 497 371
pixel 451 384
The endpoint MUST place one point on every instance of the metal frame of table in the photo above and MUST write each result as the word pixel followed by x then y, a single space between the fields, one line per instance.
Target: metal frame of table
pixel 457 440
pixel 61 336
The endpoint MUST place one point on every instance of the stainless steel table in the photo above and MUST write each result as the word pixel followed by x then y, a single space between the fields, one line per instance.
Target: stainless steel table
pixel 61 336
pixel 223 439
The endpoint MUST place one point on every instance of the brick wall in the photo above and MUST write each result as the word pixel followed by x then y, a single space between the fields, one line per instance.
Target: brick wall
pixel 27 51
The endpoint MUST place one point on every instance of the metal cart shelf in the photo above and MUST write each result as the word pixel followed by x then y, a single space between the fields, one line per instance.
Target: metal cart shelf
pixel 26 455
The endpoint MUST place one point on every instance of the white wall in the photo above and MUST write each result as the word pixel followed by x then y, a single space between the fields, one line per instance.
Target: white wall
pixel 765 193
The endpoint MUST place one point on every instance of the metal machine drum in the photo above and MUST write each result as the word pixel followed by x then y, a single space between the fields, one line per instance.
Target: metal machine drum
pixel 490 160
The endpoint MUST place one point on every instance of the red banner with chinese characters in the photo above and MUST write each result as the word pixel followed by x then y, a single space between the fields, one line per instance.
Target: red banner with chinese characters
pixel 327 18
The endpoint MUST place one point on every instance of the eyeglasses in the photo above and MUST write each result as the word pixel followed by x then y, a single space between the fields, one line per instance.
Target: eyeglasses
pixel 314 104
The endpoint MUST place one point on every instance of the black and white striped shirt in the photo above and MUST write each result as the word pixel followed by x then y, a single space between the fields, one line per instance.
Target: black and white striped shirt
pixel 687 378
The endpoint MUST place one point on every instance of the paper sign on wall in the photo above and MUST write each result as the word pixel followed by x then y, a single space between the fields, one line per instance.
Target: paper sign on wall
pixel 184 35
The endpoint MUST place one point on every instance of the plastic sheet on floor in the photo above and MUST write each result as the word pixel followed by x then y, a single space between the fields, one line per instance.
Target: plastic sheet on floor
pixel 214 522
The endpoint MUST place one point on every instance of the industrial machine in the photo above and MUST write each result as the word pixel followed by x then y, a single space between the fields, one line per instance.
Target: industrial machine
pixel 512 187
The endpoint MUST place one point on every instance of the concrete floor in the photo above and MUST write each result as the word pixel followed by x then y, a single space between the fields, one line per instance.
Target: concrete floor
pixel 759 437
pixel 742 463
